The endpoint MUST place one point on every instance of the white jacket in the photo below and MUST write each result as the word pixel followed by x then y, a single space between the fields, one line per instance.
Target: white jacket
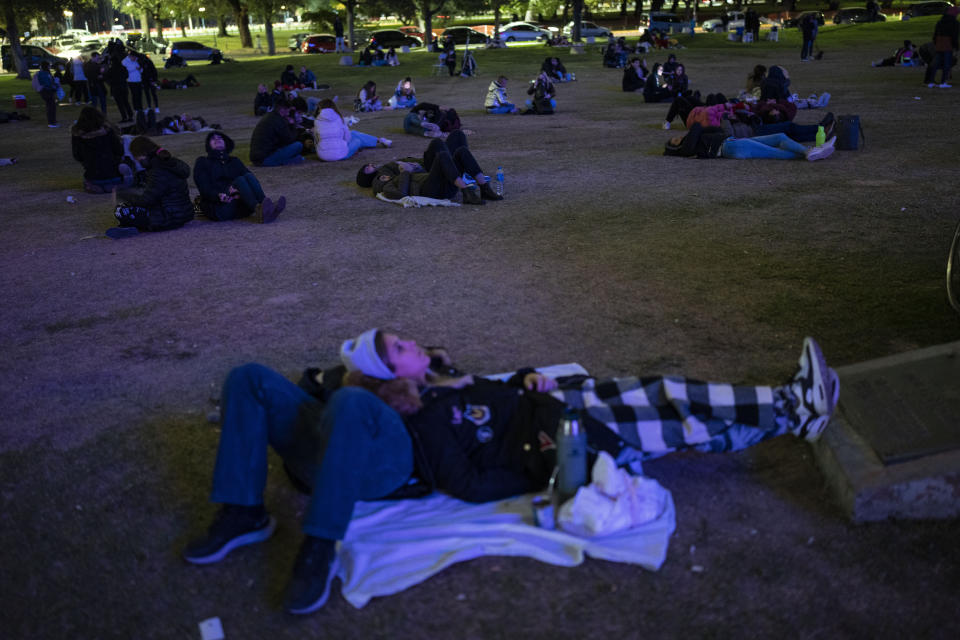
pixel 133 69
pixel 331 135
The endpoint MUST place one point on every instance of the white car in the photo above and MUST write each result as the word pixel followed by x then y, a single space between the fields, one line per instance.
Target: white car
pixel 587 30
pixel 715 25
pixel 517 31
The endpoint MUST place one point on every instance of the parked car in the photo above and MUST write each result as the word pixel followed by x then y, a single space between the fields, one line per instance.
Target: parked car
pixel 190 50
pixel 319 43
pixel 412 31
pixel 295 41
pixel 737 21
pixel 34 55
pixel 662 21
pixel 935 8
pixel 387 38
pixel 460 35
pixel 587 30
pixel 519 31
pixel 143 45
pixel 795 21
pixel 856 15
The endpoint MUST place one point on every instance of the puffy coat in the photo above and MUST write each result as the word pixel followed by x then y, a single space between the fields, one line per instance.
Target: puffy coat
pixel 776 85
pixel 166 195
pixel 331 135
pixel 496 96
pixel 710 116
pixel 215 172
pixel 99 151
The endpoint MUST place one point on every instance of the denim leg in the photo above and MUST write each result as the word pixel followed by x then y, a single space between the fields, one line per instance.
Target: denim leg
pixel 251 193
pixel 283 155
pixel 364 453
pixel 798 132
pixel 359 141
pixel 504 108
pixel 260 407
pixel 786 143
pixel 761 147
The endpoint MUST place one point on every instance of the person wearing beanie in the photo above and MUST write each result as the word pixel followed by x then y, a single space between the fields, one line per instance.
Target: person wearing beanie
pixel 439 174
pixel 396 419
pixel 228 190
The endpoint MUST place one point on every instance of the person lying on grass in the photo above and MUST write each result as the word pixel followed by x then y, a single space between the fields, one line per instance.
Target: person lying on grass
pixel 396 419
pixel 714 142
pixel 440 174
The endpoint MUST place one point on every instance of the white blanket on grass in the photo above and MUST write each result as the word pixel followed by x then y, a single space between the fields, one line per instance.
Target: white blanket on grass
pixel 394 544
pixel 419 201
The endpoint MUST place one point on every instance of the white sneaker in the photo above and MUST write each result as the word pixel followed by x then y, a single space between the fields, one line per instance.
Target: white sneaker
pixel 829 143
pixel 666 125
pixel 385 142
pixel 931 85
pixel 824 100
pixel 944 85
pixel 821 152
pixel 816 388
pixel 156 109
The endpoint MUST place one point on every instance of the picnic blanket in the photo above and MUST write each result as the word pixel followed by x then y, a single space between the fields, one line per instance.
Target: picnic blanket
pixel 394 544
pixel 419 201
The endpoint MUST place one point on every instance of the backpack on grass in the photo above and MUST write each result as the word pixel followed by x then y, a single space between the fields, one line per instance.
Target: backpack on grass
pixel 849 133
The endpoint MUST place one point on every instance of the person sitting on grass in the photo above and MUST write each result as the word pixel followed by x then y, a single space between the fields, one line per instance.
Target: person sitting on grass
pixel 274 140
pixel 755 80
pixel 392 59
pixel 776 85
pixel 307 79
pixel 228 190
pixel 544 100
pixel 404 96
pixel 288 79
pixel 714 142
pixel 496 100
pixel 680 83
pixel 164 202
pixel 555 69
pixel 97 145
pixel 634 75
pixel 263 101
pixel 439 175
pixel 367 98
pixel 657 88
pixel 389 422
pixel 431 120
pixel 906 55
pixel 186 83
pixel 333 138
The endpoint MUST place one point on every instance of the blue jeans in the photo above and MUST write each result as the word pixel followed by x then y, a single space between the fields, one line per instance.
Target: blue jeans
pixel 553 104
pixel 806 51
pixel 251 194
pixel 284 155
pixel 776 145
pixel 506 107
pixel 359 141
pixel 798 132
pixel 353 448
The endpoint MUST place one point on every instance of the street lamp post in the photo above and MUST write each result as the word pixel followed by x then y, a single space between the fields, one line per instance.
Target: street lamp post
pixel 68 15
pixel 203 23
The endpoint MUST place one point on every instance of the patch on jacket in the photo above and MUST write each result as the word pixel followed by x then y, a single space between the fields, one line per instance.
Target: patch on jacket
pixel 478 414
pixel 484 434
pixel 546 442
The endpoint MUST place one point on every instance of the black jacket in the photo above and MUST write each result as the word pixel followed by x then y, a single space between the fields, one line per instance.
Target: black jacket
pixel 214 172
pixel 262 103
pixel 272 132
pixel 99 151
pixel 776 85
pixel 166 194
pixel 633 80
pixel 700 141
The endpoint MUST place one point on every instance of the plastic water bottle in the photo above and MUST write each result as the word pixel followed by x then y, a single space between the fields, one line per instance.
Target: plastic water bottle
pixel 571 454
pixel 499 186
pixel 821 136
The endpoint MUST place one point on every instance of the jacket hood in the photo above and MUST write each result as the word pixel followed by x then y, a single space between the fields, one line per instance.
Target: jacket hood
pixel 177 167
pixel 329 115
pixel 776 75
pixel 228 143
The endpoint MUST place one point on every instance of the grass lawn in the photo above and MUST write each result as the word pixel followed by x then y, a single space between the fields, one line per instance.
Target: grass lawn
pixel 604 252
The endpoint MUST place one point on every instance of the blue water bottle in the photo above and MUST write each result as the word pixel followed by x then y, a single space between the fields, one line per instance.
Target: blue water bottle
pixel 571 455
pixel 499 185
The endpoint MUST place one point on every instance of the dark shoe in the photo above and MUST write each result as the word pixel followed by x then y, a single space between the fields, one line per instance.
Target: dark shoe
pixel 279 206
pixel 828 123
pixel 487 192
pixel 471 195
pixel 313 573
pixel 122 232
pixel 234 526
pixel 265 211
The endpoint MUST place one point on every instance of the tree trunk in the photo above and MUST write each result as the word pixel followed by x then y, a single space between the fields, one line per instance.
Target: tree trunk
pixel 241 14
pixel 145 26
pixel 623 9
pixel 577 17
pixel 13 34
pixel 268 30
pixel 496 21
pixel 183 30
pixel 222 26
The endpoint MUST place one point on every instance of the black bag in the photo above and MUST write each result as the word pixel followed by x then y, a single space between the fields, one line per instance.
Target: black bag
pixel 849 132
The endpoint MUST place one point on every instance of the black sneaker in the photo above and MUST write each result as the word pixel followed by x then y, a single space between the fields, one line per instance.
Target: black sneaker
pixel 234 526
pixel 313 573
pixel 487 192
pixel 471 195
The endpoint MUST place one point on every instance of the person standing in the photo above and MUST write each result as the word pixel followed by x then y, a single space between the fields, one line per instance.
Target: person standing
pixel 338 32
pixel 116 77
pixel 93 70
pixel 134 80
pixel 149 81
pixel 944 44
pixel 79 92
pixel 809 29
pixel 48 91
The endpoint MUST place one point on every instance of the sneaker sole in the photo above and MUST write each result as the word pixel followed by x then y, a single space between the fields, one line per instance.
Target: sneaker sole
pixel 322 600
pixel 240 541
